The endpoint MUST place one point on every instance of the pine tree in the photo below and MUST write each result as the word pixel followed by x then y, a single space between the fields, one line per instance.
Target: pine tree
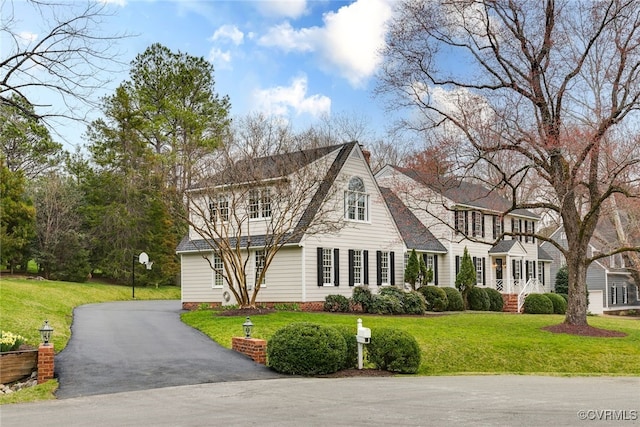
pixel 412 272
pixel 466 278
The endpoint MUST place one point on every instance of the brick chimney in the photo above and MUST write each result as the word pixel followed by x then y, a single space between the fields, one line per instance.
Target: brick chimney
pixel 366 153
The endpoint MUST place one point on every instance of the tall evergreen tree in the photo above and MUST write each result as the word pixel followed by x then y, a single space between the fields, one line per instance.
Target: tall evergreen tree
pixel 466 278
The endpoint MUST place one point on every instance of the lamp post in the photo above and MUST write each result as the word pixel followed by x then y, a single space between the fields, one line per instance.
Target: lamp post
pixel 143 258
pixel 45 332
pixel 247 326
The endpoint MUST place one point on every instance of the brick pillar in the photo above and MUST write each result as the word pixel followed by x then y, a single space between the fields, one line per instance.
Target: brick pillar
pixel 45 363
pixel 256 349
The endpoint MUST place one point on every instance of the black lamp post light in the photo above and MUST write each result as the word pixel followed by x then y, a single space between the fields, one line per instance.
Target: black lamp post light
pixel 45 332
pixel 248 327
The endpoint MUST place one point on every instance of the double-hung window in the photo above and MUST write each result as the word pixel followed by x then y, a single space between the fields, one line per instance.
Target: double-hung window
pixel 327 267
pixel 260 203
pixel 357 267
pixel 357 201
pixel 384 268
pixel 219 208
pixel 218 271
pixel 259 262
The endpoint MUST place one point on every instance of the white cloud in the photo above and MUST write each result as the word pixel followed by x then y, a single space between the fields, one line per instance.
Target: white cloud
pixel 228 32
pixel 27 37
pixel 283 100
pixel 348 42
pixel 219 58
pixel 283 8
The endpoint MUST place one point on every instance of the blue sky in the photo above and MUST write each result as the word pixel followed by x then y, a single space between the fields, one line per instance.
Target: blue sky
pixel 296 59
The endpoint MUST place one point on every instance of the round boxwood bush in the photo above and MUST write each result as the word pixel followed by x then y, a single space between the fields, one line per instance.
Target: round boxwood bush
pixel 336 303
pixel 393 291
pixel 436 298
pixel 394 350
pixel 306 349
pixel 537 304
pixel 478 299
pixel 559 303
pixel 362 296
pixel 454 299
pixel 386 304
pixel 414 303
pixel 565 296
pixel 349 335
pixel 496 303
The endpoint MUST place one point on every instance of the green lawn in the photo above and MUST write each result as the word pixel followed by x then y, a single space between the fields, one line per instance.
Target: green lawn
pixel 25 304
pixel 471 343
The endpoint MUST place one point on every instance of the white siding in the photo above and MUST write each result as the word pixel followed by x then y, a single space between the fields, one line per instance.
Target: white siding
pixel 197 280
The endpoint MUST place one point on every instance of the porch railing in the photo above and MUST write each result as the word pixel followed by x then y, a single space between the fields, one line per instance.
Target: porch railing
pixel 533 286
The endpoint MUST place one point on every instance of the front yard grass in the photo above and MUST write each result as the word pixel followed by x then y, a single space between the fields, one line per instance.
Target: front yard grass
pixel 470 343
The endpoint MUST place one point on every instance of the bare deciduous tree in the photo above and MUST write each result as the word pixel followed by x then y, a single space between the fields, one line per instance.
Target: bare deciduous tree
pixel 549 82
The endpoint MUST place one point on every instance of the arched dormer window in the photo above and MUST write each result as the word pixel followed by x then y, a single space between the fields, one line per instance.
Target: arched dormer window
pixel 356 201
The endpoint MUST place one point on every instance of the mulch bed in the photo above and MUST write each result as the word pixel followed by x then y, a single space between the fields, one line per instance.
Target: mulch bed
pixel 585 331
pixel 246 312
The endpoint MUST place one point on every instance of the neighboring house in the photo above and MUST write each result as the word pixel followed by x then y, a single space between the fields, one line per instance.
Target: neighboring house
pixel 607 276
pixel 366 249
pixel 439 218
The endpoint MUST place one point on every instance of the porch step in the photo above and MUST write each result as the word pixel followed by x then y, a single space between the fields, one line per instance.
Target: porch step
pixel 510 303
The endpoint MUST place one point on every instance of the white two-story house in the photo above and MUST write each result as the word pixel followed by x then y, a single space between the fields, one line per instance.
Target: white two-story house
pixel 321 208
pixel 450 215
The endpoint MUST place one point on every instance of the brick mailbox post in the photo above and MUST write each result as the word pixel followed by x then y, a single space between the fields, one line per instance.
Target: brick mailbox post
pixel 256 349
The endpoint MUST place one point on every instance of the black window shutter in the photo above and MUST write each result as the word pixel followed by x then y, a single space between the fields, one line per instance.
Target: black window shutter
pixel 378 268
pixel 513 225
pixel 482 222
pixel 392 267
pixel 526 270
pixel 336 267
pixel 513 269
pixel 473 223
pixel 535 270
pixel 319 266
pixel 495 225
pixel 466 223
pixel 484 273
pixel 351 278
pixel 435 269
pixel 457 264
pixel 365 267
pixel 456 221
pixel 520 221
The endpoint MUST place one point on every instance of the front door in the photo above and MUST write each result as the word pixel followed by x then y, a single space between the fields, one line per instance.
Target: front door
pixel 499 283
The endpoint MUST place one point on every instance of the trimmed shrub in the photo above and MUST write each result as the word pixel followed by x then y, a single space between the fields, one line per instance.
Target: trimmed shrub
pixel 496 303
pixel 478 299
pixel 392 291
pixel 306 349
pixel 351 355
pixel 414 303
pixel 386 304
pixel 559 303
pixel 436 298
pixel 454 299
pixel 394 350
pixel 336 303
pixel 565 296
pixel 537 304
pixel 362 296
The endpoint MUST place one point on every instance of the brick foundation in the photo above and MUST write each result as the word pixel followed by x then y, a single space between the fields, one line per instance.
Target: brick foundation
pixel 304 306
pixel 45 363
pixel 256 349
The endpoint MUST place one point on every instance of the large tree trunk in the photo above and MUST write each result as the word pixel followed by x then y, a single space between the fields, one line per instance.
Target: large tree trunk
pixel 577 307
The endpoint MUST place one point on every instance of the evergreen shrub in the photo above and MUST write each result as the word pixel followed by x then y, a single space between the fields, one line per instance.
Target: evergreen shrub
pixel 436 298
pixel 336 303
pixel 351 355
pixel 386 304
pixel 394 350
pixel 559 303
pixel 496 303
pixel 362 296
pixel 414 303
pixel 454 299
pixel 306 349
pixel 537 304
pixel 478 299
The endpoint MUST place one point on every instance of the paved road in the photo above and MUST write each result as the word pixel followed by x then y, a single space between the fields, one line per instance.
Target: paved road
pixel 140 345
pixel 405 401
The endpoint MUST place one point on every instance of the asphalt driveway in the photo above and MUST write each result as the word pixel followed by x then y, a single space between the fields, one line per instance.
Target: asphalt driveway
pixel 141 345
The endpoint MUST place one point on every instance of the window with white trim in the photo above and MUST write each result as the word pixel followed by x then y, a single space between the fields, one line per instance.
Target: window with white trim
pixel 384 267
pixel 357 267
pixel 260 203
pixel 356 201
pixel 625 295
pixel 327 267
pixel 219 208
pixel 518 269
pixel 541 272
pixel 460 221
pixel 260 262
pixel 218 271
pixel 479 271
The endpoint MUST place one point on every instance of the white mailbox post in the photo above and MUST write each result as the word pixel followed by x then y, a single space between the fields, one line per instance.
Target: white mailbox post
pixel 362 337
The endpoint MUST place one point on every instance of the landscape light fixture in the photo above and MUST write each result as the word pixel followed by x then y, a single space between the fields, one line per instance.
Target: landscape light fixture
pixel 247 326
pixel 45 332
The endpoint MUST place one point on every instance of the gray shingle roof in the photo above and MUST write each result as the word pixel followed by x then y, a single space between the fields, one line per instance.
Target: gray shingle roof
pixel 414 233
pixel 502 247
pixel 465 193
